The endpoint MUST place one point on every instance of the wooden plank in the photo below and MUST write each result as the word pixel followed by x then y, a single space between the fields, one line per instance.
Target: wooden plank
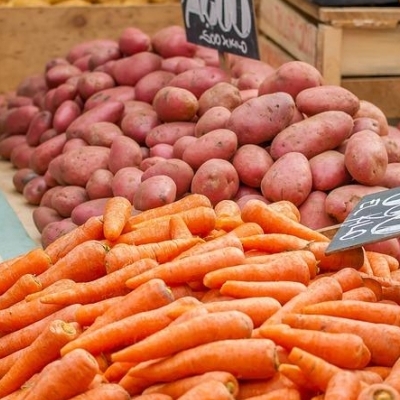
pixel 368 52
pixel 29 37
pixel 271 53
pixel 285 26
pixel 329 57
pixel 383 92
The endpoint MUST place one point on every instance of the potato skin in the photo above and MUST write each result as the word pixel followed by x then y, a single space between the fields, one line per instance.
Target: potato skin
pixel 43 216
pixel 214 118
pixel 126 181
pixel 219 143
pixel 368 109
pixel 63 117
pixel 8 144
pixel 56 229
pixel 317 99
pixel 67 198
pixel 313 135
pixel 118 93
pixel 169 132
pixel 342 200
pixel 270 114
pixel 102 134
pixel 328 170
pixel 21 177
pixel 34 190
pixel 289 178
pixel 252 162
pixel 154 192
pixel 147 87
pixel 92 82
pixel 91 208
pixel 366 158
pixel 217 179
pixel 99 184
pixel 124 152
pixel 391 178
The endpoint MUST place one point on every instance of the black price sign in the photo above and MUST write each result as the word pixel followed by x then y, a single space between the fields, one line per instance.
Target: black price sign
pixel 376 217
pixel 226 25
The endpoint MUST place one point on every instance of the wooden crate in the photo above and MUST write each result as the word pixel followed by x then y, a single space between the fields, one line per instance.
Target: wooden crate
pixel 356 47
pixel 29 37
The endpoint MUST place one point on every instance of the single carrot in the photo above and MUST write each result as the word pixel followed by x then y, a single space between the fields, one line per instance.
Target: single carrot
pixel 316 369
pixel 206 390
pixel 248 358
pixel 372 284
pixel 103 391
pixel 383 340
pixel 393 262
pixel 246 229
pixel 84 262
pixel 107 286
pixel 393 377
pixel 363 293
pixel 61 284
pixel 379 391
pixel 357 309
pixel 273 221
pixel 296 375
pixel 212 295
pixel 178 228
pixel 87 313
pixel 273 242
pixel 152 294
pixel 7 361
pixel 153 396
pixel 344 385
pixel 117 211
pixel 282 291
pixel 188 202
pixel 178 387
pixel 34 262
pixel 286 266
pixel 199 220
pixel 332 347
pixel 382 371
pixel 24 337
pixel 193 332
pixel 353 258
pixel 226 240
pixel 349 278
pixel 24 285
pixel 134 386
pixel 117 370
pixel 391 293
pixel 92 229
pixel 366 267
pixel 181 290
pixel 278 394
pixel 65 378
pixel 191 268
pixel 229 215
pixel 325 288
pixel 379 264
pixel 44 349
pixel 118 334
pixel 287 208
pixel 257 308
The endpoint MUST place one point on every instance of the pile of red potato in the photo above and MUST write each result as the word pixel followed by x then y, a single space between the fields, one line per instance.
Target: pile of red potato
pixel 153 118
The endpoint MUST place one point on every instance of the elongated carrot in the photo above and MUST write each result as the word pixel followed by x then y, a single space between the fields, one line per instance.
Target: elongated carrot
pixel 191 268
pixel 24 286
pixel 344 385
pixel 117 211
pixel 379 264
pixel 333 347
pixel 363 293
pixel 372 284
pixel 296 375
pixel 357 309
pixel 34 262
pixel 246 229
pixel 178 387
pixel 92 229
pixel 83 263
pixel 383 340
pixel 286 266
pixel 181 290
pixel 287 208
pixel 7 361
pixel 382 371
pixel 282 291
pixel 117 370
pixel 61 284
pixel 178 228
pixel 393 378
pixel 353 258
pixel 229 215
pixel 274 242
pixel 103 391
pixel 87 313
pixel 44 349
pixel 379 391
pixel 200 221
pixel 133 385
pixel 193 332
pixel 248 358
pixel 152 294
pixel 349 278
pixel 325 288
pixel 24 337
pixel 110 285
pixel 208 389
pixel 273 221
pixel 66 377
pixel 278 394
pixel 118 334
pixel 316 369
pixel 226 240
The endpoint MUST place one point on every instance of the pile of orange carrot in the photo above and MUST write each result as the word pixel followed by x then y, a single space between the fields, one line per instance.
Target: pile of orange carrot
pixel 189 301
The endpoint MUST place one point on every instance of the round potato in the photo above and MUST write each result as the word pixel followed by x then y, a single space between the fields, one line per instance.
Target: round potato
pixel 181 144
pixel 91 208
pixel 21 177
pixel 169 132
pixel 147 87
pixel 217 179
pixel 34 190
pixel 214 118
pixel 289 178
pixel 43 216
pixel 124 152
pixel 153 192
pixel 99 184
pixel 67 198
pixel 126 181
pixel 55 230
pixel 368 109
pixel 102 134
